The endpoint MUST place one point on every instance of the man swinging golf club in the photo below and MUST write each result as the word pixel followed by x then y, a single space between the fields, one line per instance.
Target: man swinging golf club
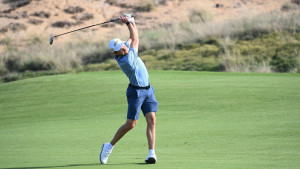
pixel 140 95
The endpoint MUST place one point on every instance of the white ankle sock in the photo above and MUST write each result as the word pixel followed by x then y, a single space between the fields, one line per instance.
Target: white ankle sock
pixel 110 146
pixel 151 151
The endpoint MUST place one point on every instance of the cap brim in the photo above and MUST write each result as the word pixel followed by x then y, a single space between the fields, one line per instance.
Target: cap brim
pixel 118 46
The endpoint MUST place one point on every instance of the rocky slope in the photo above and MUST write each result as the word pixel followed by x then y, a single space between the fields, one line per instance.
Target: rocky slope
pixel 19 18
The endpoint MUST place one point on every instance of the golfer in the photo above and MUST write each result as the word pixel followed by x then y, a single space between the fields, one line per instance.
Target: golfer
pixel 140 95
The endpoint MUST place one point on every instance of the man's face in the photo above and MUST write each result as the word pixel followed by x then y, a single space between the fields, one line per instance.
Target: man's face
pixel 122 52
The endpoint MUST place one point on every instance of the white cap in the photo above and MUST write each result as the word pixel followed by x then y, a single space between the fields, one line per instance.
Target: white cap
pixel 115 44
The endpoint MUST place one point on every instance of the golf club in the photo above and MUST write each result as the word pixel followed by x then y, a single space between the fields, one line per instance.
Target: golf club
pixel 112 20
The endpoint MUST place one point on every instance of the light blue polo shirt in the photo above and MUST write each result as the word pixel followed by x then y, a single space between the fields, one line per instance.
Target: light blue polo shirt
pixel 134 68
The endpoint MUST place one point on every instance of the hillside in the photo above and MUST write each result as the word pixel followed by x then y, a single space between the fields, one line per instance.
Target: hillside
pixel 18 19
pixel 207 35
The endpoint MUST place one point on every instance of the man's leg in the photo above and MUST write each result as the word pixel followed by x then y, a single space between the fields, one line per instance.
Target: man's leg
pixel 151 121
pixel 123 130
pixel 108 147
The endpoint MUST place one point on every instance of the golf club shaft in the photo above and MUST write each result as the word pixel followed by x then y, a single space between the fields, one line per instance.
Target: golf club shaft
pixel 113 20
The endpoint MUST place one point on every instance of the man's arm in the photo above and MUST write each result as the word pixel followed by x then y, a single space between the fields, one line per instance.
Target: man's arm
pixel 134 37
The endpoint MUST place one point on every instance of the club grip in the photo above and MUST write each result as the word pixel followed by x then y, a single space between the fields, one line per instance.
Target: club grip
pixel 129 15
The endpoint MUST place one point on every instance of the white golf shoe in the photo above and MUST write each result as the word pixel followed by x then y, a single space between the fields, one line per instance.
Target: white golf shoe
pixel 151 158
pixel 105 152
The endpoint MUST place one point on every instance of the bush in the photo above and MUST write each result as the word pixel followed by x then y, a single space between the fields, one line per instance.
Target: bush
pixel 187 46
pixel 2 68
pixel 15 4
pixel 95 56
pixel 41 14
pixel 250 34
pixel 64 24
pixel 200 16
pixel 73 9
pixel 296 2
pixel 37 65
pixel 11 77
pixel 145 6
pixel 15 27
pixel 12 63
pixel 288 6
pixel 287 58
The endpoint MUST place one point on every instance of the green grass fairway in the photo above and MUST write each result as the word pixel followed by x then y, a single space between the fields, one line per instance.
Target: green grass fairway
pixel 205 120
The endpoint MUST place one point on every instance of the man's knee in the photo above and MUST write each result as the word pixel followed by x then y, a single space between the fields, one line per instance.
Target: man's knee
pixel 151 119
pixel 130 124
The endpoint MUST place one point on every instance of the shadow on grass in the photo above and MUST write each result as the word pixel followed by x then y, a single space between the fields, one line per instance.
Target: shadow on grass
pixel 71 165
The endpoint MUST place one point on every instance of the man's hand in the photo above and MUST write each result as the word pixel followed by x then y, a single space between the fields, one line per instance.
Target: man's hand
pixel 124 19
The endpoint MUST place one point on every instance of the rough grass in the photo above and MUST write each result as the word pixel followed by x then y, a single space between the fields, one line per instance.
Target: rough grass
pixel 207 120
pixel 272 52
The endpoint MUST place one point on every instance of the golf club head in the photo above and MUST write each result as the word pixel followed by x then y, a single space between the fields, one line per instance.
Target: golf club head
pixel 51 40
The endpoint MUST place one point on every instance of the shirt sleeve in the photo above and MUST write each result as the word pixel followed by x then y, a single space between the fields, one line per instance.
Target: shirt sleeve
pixel 132 55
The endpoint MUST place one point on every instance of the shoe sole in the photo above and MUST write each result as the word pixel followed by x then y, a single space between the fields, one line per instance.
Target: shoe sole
pixel 100 155
pixel 150 160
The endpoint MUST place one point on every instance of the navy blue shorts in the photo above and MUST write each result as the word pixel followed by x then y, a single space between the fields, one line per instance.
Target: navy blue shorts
pixel 140 99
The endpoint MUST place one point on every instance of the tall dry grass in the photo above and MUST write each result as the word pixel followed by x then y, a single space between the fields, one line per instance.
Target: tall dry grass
pixel 36 54
pixel 242 28
pixel 227 35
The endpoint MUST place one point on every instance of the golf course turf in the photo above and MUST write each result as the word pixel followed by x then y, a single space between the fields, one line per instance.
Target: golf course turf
pixel 205 120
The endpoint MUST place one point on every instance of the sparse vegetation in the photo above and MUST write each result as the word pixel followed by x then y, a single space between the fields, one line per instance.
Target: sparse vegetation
pixel 73 9
pixel 64 24
pixel 289 6
pixel 267 43
pixel 145 6
pixel 198 16
pixel 296 2
pixel 15 27
pixel 15 4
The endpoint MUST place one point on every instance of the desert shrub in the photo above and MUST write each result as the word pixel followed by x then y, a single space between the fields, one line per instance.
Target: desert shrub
pixel 37 65
pixel 288 6
pixel 145 6
pixel 2 67
pixel 296 2
pixel 209 51
pixel 12 63
pixel 199 64
pixel 73 9
pixel 11 77
pixel 200 16
pixel 35 21
pixel 5 41
pixel 41 14
pixel 152 39
pixel 64 24
pixel 93 53
pixel 15 3
pixel 8 44
pixel 34 40
pixel 183 46
pixel 250 34
pixel 15 27
pixel 83 17
pixel 95 57
pixel 109 64
pixel 287 58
